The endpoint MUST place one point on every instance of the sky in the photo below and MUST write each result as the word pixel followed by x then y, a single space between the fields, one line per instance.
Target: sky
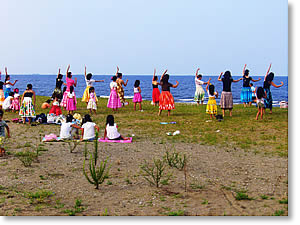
pixel 140 35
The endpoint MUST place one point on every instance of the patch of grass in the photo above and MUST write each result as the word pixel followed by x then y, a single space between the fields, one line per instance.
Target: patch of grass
pixel 78 208
pixel 39 196
pixel 27 145
pixel 162 198
pixel 264 197
pixel 283 201
pixel 109 182
pixel 205 202
pixel 176 213
pixel 279 213
pixel 42 177
pixel 128 181
pixel 195 186
pixel 242 196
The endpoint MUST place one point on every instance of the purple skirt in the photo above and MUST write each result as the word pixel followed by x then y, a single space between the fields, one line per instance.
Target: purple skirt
pixel 137 97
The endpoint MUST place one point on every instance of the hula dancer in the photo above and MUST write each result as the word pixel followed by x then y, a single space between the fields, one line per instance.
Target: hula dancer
pixel 120 89
pixel 211 107
pixel 200 93
pixel 57 93
pixel 268 81
pixel 114 100
pixel 69 82
pixel 155 91
pixel 28 104
pixel 2 98
pixel 8 84
pixel 89 83
pixel 246 94
pixel 166 100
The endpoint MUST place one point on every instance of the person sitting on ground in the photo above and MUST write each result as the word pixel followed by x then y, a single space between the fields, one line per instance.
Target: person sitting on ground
pixel 111 130
pixel 66 130
pixel 7 104
pixel 88 128
pixel 46 104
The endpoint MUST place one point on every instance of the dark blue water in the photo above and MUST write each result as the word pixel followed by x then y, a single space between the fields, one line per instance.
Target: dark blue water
pixel 45 84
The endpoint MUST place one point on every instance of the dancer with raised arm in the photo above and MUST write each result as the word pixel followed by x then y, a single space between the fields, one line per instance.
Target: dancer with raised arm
pixel 155 91
pixel 166 100
pixel 268 81
pixel 89 83
pixel 69 82
pixel 226 102
pixel 199 93
pixel 8 84
pixel 246 94
pixel 120 89
pixel 57 93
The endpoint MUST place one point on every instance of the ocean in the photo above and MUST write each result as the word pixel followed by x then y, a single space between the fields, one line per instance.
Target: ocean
pixel 45 84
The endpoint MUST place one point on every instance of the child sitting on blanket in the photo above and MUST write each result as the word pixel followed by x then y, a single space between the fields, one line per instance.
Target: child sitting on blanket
pixel 88 128
pixel 111 130
pixel 66 131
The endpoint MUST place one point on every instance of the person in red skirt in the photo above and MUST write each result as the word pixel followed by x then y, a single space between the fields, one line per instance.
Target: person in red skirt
pixel 55 109
pixel 155 92
pixel 166 100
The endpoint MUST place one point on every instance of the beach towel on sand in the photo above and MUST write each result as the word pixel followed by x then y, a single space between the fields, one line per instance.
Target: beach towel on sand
pixel 115 141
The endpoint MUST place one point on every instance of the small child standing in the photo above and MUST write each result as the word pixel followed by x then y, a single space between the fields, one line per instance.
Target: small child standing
pixel 111 130
pixel 16 101
pixel 137 98
pixel 253 94
pixel 92 104
pixel 71 101
pixel 2 131
pixel 260 95
pixel 211 107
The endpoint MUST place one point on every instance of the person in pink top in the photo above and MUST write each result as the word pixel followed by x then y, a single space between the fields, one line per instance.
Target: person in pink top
pixel 69 82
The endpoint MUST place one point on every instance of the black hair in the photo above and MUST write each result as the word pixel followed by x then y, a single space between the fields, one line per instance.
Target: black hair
pixel 155 78
pixel 64 89
pixel 91 89
pixel 11 94
pixel 137 83
pixel 6 77
pixel 71 89
pixel 119 75
pixel 29 86
pixel 114 78
pixel 199 76
pixel 69 118
pixel 251 84
pixel 165 78
pixel 86 118
pixel 270 77
pixel 89 76
pixel 49 100
pixel 211 89
pixel 260 92
pixel 69 75
pixel 227 75
pixel 110 120
pixel 246 73
pixel 1 112
pixel 60 76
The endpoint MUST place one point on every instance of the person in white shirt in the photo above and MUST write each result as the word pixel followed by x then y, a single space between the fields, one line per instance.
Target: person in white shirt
pixel 67 128
pixel 199 93
pixel 111 130
pixel 7 104
pixel 88 128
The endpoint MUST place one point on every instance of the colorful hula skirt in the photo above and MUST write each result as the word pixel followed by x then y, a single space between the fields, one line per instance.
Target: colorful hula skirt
pixel 120 92
pixel 269 100
pixel 92 105
pixel 211 107
pixel 86 95
pixel 57 93
pixel 137 98
pixel 226 100
pixel 114 100
pixel 2 98
pixel 166 101
pixel 199 94
pixel 15 104
pixel 65 98
pixel 6 92
pixel 155 95
pixel 246 95
pixel 27 108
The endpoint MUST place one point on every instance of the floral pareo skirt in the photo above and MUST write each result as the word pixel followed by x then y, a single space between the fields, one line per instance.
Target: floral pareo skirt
pixel 27 108
pixel 199 94
pixel 166 101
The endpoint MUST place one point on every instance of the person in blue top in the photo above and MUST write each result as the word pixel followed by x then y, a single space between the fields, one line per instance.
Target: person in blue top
pixel 246 94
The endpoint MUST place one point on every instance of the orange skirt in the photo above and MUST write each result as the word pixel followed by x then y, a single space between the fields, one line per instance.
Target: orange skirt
pixel 166 101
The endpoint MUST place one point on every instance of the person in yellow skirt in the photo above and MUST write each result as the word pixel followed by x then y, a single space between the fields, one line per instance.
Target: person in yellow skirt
pixel 211 107
pixel 89 83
